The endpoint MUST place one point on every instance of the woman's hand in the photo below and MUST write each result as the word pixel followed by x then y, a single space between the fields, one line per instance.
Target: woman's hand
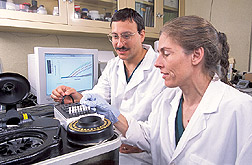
pixel 101 105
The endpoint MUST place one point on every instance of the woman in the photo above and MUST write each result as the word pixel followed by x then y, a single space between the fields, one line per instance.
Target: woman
pixel 202 121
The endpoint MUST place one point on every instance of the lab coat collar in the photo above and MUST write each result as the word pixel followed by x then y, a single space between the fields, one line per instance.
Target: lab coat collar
pixel 212 97
pixel 198 123
pixel 167 102
pixel 149 59
pixel 172 117
pixel 120 72
pixel 146 64
pixel 138 76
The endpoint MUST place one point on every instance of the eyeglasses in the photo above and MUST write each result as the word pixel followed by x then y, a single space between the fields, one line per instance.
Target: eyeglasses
pixel 113 37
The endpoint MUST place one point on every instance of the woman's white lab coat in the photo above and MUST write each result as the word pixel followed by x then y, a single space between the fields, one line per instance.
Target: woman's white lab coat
pixel 218 130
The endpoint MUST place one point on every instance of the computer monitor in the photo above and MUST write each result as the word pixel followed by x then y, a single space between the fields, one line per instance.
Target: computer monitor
pixel 49 68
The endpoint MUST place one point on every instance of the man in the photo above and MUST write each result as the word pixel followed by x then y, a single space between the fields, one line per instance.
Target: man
pixel 130 82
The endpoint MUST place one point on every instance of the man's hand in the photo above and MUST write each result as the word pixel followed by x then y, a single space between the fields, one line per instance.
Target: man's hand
pixel 60 91
pixel 127 149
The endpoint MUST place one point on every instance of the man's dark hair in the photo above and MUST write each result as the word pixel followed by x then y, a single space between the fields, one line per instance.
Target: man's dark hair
pixel 129 14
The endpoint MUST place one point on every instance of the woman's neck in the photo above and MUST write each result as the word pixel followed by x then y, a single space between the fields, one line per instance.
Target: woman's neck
pixel 194 90
pixel 192 95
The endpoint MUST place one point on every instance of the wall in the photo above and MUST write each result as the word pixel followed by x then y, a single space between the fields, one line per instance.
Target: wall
pixel 232 17
pixel 16 46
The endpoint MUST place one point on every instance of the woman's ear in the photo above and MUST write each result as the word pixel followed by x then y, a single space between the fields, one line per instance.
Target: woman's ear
pixel 197 55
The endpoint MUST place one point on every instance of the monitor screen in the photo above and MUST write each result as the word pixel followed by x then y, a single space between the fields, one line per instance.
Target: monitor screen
pixel 75 70
pixel 49 68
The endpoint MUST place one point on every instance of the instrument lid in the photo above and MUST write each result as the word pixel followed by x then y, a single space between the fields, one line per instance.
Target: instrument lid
pixel 13 88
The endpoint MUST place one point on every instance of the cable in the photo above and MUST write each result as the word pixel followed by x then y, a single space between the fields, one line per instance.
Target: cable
pixel 57 37
pixel 250 50
pixel 211 8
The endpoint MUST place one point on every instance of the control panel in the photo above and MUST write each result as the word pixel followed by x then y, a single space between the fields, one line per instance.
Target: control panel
pixel 67 113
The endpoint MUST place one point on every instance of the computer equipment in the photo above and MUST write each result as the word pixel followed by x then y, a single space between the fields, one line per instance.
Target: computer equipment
pixel 103 58
pixel 51 67
pixel 156 46
pixel 242 84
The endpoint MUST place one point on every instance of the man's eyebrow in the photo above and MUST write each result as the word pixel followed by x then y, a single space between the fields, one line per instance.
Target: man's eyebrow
pixel 122 32
pixel 126 32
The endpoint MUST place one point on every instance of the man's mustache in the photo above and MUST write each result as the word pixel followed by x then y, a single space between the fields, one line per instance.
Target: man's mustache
pixel 122 48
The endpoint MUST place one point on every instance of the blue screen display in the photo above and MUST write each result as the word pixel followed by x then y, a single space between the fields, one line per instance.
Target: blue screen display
pixel 73 70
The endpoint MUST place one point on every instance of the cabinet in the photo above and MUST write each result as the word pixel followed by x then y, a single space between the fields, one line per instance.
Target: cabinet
pixel 20 14
pixel 100 12
pixel 72 18
pixel 157 12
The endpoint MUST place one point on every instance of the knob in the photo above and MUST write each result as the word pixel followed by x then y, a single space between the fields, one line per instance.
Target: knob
pixel 159 15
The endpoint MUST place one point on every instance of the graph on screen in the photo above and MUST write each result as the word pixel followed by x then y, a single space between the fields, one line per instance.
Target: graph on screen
pixel 73 70
pixel 82 71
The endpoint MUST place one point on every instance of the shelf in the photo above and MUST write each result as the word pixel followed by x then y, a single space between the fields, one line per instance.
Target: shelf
pixel 170 8
pixel 35 27
pixel 95 3
pixel 145 2
pixel 43 27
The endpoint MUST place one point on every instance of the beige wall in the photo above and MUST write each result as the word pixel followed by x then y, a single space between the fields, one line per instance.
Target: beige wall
pixel 233 17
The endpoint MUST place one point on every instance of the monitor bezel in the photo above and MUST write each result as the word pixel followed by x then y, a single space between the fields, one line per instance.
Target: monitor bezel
pixel 42 96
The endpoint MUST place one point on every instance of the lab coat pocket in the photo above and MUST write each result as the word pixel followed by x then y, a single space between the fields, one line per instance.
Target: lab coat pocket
pixel 195 159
